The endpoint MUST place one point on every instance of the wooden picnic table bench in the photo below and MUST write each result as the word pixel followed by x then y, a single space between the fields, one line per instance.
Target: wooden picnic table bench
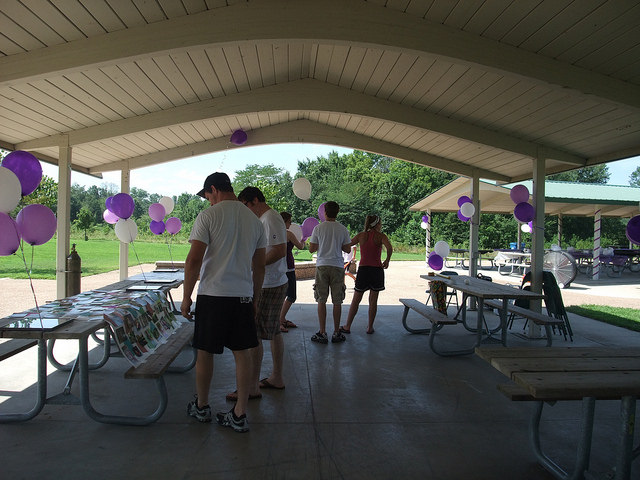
pixel 541 319
pixel 13 346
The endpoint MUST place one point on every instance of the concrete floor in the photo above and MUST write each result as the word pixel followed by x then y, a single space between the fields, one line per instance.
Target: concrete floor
pixel 378 406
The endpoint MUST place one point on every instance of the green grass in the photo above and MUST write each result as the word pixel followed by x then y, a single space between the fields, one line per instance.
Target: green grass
pixel 98 256
pixel 622 317
pixel 102 255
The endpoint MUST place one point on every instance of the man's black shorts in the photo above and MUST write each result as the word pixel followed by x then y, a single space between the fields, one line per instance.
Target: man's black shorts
pixel 224 322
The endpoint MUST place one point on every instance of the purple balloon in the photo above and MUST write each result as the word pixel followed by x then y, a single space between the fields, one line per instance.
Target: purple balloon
pixel 36 224
pixel 157 227
pixel 524 212
pixel 110 217
pixel 9 239
pixel 122 205
pixel 239 137
pixel 463 199
pixel 26 167
pixel 425 219
pixel 633 230
pixel 519 194
pixel 173 225
pixel 308 225
pixel 157 211
pixel 321 215
pixel 462 217
pixel 435 261
pixel 107 202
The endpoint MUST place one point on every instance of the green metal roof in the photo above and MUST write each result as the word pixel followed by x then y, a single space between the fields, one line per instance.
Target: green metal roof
pixel 573 192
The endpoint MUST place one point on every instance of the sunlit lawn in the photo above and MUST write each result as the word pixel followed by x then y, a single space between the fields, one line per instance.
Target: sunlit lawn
pixel 100 256
pixel 622 317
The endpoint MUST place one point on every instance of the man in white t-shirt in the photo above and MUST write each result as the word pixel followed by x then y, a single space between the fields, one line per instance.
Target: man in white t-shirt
pixel 274 291
pixel 227 253
pixel 329 239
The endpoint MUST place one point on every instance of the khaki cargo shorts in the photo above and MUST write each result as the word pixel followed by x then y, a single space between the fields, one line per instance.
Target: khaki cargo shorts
pixel 328 277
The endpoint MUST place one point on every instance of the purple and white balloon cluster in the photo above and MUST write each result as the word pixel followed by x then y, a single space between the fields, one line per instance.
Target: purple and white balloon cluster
pixel 523 211
pixel 157 212
pixel 20 175
pixel 466 210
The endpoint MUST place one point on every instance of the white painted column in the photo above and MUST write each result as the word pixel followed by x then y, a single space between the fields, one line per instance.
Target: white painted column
pixel 63 214
pixel 474 227
pixel 560 230
pixel 537 238
pixel 428 235
pixel 596 245
pixel 125 187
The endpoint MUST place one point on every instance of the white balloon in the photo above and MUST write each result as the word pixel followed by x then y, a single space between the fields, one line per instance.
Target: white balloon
pixel 525 228
pixel 442 248
pixel 296 230
pixel 126 230
pixel 302 188
pixel 167 203
pixel 467 209
pixel 424 225
pixel 10 190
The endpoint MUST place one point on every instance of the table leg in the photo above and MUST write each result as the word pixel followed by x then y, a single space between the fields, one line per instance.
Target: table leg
pixel 583 453
pixel 41 389
pixel 625 449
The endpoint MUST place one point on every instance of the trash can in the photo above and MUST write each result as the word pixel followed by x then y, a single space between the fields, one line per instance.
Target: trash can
pixel 73 273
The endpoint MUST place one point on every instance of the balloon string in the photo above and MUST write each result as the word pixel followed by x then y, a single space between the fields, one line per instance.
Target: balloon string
pixel 33 291
pixel 170 254
pixel 139 264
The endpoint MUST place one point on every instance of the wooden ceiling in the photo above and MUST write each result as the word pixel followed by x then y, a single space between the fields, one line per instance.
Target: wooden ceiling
pixel 468 86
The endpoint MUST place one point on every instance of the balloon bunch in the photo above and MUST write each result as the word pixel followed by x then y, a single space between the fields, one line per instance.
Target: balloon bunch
pixel 310 223
pixel 466 210
pixel 20 175
pixel 158 226
pixel 157 212
pixel 438 254
pixel 425 222
pixel 523 211
pixel 119 210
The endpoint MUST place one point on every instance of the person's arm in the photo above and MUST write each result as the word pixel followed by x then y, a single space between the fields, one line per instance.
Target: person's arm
pixel 313 247
pixel 191 272
pixel 346 247
pixel 388 248
pixel 257 272
pixel 293 239
pixel 275 253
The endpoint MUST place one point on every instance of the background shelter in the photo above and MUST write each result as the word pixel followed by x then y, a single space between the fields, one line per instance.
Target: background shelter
pixel 506 91
pixel 561 198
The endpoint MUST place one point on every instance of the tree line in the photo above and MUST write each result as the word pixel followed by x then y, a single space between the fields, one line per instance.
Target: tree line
pixel 362 183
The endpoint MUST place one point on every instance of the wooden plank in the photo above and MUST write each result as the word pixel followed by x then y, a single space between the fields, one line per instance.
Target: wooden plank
pixel 15 346
pixel 158 362
pixel 429 313
pixel 511 366
pixel 577 385
pixel 514 392
pixel 489 353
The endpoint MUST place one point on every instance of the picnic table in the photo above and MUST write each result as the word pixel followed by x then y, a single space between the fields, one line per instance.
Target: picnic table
pixel 79 326
pixel 574 373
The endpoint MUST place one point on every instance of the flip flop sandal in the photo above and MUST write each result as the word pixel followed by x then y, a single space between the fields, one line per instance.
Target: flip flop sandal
pixel 344 330
pixel 290 324
pixel 283 328
pixel 233 396
pixel 264 383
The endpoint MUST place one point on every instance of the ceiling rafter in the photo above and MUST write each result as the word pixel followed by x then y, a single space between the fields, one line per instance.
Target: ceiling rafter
pixel 334 21
pixel 306 95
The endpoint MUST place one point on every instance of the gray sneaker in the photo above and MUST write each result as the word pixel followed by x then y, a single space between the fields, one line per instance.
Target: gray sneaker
pixel 338 337
pixel 201 414
pixel 319 338
pixel 229 419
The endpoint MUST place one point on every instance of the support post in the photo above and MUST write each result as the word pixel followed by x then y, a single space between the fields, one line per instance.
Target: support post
pixel 596 244
pixel 125 185
pixel 63 227
pixel 537 237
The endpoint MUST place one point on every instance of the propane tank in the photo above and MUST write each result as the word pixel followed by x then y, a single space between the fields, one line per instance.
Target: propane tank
pixel 73 273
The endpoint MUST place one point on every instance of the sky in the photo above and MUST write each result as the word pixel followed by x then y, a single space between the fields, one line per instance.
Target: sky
pixel 177 177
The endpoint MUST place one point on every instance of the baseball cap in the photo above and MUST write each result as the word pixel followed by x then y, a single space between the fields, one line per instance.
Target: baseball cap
pixel 219 180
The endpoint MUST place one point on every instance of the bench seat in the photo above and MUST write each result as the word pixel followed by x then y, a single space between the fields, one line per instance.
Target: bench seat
pixel 437 319
pixel 12 347
pixel 538 318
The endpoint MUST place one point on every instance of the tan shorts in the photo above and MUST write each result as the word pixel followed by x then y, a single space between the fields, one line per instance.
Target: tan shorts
pixel 329 278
